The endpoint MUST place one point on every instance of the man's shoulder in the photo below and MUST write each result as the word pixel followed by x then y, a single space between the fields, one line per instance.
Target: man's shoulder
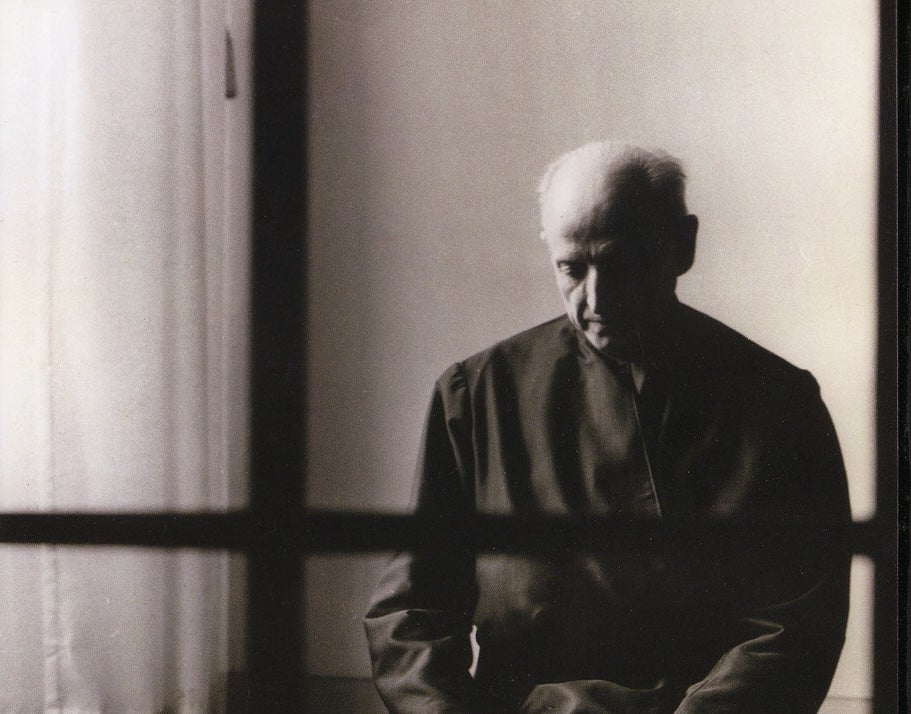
pixel 713 347
pixel 708 349
pixel 542 343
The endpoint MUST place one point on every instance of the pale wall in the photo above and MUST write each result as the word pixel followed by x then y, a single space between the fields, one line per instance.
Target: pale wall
pixel 430 124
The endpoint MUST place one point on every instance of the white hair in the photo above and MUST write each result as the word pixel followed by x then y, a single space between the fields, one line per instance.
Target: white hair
pixel 575 188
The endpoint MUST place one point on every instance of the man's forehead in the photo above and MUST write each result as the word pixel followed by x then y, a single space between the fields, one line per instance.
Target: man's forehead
pixel 595 202
pixel 592 247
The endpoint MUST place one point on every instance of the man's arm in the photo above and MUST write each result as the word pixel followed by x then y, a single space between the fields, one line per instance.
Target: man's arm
pixel 796 608
pixel 420 618
pixel 790 581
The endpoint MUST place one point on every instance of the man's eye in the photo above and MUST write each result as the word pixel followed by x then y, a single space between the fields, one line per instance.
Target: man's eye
pixel 572 270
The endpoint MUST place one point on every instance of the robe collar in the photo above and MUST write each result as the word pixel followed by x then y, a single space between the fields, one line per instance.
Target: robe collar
pixel 662 351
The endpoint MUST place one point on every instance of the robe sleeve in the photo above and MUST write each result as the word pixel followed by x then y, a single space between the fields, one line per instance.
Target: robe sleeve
pixel 420 617
pixel 596 696
pixel 793 624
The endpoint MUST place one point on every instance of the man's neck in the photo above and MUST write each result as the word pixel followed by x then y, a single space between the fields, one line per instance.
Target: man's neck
pixel 651 344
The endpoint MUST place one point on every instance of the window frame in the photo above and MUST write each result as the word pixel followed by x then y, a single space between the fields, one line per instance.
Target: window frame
pixel 276 531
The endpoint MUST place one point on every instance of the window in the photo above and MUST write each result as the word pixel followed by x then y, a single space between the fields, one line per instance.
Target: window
pixel 275 529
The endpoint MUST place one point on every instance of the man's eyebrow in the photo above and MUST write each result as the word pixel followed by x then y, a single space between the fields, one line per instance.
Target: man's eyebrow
pixel 567 256
pixel 599 249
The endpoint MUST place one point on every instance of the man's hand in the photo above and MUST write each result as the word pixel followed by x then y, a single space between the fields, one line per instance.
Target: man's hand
pixel 594 696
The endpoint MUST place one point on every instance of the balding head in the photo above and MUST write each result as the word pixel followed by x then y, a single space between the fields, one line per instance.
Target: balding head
pixel 604 188
pixel 615 222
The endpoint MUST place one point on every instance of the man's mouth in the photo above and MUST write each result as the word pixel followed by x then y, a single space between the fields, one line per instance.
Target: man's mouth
pixel 601 323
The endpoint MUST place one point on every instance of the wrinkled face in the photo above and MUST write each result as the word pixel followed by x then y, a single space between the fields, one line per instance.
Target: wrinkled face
pixel 613 287
pixel 616 254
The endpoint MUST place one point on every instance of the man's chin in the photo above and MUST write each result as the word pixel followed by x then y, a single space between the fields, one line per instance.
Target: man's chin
pixel 617 345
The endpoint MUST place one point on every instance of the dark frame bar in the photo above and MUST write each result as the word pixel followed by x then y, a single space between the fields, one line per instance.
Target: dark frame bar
pixel 895 98
pixel 325 532
pixel 886 675
pixel 274 568
pixel 903 129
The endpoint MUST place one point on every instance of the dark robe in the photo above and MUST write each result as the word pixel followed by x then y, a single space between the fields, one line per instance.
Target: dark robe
pixel 711 426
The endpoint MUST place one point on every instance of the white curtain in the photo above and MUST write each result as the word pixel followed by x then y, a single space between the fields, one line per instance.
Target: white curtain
pixel 122 342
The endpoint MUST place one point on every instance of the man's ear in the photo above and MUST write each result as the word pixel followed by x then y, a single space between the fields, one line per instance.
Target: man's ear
pixel 685 244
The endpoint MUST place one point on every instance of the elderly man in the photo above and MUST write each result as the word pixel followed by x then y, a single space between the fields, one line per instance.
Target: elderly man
pixel 635 406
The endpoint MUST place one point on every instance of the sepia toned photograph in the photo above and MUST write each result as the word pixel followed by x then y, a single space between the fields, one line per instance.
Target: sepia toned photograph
pixel 472 356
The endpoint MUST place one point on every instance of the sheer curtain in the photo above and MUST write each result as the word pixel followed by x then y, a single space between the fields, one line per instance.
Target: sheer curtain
pixel 122 341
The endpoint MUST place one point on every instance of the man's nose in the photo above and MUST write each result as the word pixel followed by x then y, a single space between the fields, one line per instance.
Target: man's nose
pixel 594 290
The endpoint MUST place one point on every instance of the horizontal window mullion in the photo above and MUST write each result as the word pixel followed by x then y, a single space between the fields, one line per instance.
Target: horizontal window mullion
pixel 340 532
pixel 336 532
pixel 231 530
